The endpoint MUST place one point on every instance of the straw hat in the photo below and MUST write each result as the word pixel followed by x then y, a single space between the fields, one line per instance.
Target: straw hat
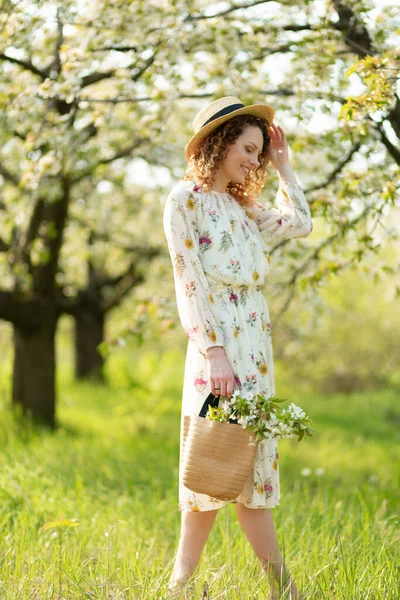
pixel 219 111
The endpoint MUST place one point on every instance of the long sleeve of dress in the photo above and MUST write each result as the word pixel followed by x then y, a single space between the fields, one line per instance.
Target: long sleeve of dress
pixel 291 218
pixel 198 317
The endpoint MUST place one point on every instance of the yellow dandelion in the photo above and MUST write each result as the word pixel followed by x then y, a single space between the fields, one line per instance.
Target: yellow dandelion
pixel 189 243
pixel 256 275
pixel 235 333
pixel 263 369
pixel 268 259
pixel 212 336
pixel 211 299
pixel 195 509
pixel 275 465
pixel 190 204
pixel 260 488
pixel 250 214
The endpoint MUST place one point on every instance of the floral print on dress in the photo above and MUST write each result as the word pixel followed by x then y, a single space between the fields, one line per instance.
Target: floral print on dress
pixel 220 261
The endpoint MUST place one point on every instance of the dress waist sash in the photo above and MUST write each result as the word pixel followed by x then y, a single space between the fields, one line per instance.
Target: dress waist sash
pixel 240 287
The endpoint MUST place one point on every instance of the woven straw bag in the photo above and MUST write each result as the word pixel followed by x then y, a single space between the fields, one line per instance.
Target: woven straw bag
pixel 216 456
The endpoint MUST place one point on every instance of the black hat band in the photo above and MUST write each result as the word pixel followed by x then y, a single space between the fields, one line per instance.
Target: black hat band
pixel 223 112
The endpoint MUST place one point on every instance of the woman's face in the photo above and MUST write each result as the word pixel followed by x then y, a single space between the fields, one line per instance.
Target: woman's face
pixel 243 154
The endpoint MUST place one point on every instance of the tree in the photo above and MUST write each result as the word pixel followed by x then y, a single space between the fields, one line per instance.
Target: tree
pixel 86 92
pixel 53 155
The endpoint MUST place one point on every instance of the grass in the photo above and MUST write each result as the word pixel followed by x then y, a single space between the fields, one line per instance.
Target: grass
pixel 110 470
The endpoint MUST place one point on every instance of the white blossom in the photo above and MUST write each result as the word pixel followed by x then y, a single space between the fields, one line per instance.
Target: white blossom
pixel 226 406
pixel 295 411
pixel 306 472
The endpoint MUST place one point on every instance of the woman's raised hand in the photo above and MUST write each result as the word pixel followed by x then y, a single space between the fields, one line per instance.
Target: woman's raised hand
pixel 278 152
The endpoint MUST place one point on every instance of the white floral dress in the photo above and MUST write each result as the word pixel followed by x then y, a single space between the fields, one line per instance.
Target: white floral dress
pixel 220 256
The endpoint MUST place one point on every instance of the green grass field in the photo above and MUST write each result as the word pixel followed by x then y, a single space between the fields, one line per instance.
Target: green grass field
pixel 111 472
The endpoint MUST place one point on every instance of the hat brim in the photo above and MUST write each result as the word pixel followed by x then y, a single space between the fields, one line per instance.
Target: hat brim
pixel 262 111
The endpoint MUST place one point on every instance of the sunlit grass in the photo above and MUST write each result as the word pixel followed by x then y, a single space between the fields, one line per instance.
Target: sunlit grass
pixel 111 471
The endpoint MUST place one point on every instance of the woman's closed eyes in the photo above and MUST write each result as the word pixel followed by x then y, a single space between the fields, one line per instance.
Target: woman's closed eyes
pixel 251 151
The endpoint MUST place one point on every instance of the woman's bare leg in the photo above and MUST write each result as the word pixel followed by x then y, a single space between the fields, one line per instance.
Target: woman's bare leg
pixel 195 529
pixel 259 528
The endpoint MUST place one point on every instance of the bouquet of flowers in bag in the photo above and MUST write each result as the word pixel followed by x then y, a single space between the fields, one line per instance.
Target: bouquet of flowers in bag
pixel 262 416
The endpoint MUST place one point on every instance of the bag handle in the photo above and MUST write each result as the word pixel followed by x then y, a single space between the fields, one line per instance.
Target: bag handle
pixel 211 399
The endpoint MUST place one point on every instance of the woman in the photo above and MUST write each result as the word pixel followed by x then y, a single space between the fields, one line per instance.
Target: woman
pixel 219 238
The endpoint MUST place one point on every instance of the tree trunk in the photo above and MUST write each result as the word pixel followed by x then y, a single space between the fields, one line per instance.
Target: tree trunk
pixel 36 312
pixel 89 333
pixel 34 371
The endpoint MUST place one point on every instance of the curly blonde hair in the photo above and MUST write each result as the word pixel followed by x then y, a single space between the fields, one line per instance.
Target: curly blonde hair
pixel 203 165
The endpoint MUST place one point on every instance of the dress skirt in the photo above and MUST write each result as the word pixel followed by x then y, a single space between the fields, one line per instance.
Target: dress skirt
pixel 248 346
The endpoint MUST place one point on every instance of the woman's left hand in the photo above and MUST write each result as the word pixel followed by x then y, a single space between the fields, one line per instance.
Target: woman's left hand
pixel 278 152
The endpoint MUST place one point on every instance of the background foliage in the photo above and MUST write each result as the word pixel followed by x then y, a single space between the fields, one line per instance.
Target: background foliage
pixel 96 103
pixel 96 94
